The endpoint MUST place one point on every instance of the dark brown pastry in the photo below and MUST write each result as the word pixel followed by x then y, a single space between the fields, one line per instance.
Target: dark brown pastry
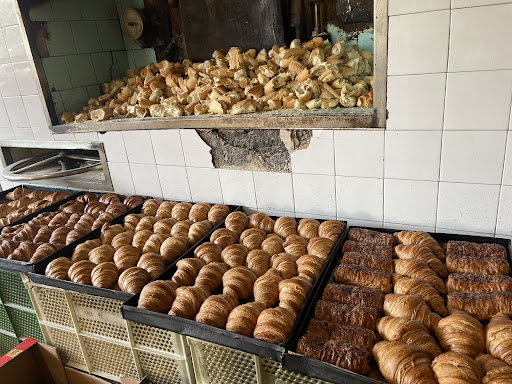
pixel 363 277
pixel 369 249
pixel 463 282
pixel 80 272
pixel 215 310
pixel 346 314
pixel 369 261
pixel 477 265
pixel 481 305
pixel 350 334
pixel 353 295
pixel 466 248
pixel 58 268
pixel 370 236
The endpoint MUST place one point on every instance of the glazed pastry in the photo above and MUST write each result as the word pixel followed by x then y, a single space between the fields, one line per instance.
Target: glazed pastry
pixel 181 229
pixel 80 272
pixel 181 210
pixel 410 332
pixel 466 248
pixel 309 267
pixel 210 276
pixel 215 310
pixel 308 228
pixel 82 250
pixel 187 270
pixel 420 270
pixel 274 325
pixel 495 370
pixel 481 305
pixel 258 261
pixel 126 257
pixel 140 238
pixel 411 307
pixel 371 236
pixel 133 200
pixel 420 238
pixel 242 319
pixel 58 268
pixel 353 295
pixel 252 238
pixel 102 254
pixel 104 275
pixel 419 252
pixel 411 286
pixel 208 252
pixel 239 282
pixel 463 282
pixel 164 210
pixel 158 296
pixel 461 333
pixel 151 206
pixel 172 248
pixel 272 244
pixel 346 314
pixel 199 212
pixel 198 231
pixel 498 340
pixel 285 264
pixel 154 243
pixel 237 222
pixel 401 363
pixel 164 226
pixel 363 277
pixel 261 221
pixel 224 237
pixel 453 367
pixel 320 246
pixel 133 279
pixel 110 198
pixel 349 334
pixel 295 245
pixel 266 288
pixel 218 213
pixel 368 261
pixel 293 293
pixel 41 252
pixel 146 223
pixel 153 263
pixel 235 255
pixel 285 226
pixel 188 301
pixel 477 265
pixel 368 249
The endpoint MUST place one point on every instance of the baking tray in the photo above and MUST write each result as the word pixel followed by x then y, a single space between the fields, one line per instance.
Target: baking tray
pixel 295 362
pixel 38 275
pixel 25 266
pixel 216 335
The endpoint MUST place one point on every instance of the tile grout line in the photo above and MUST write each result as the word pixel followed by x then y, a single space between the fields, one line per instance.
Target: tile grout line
pixel 449 9
pixel 254 188
pixel 437 73
pixel 185 162
pixel 335 176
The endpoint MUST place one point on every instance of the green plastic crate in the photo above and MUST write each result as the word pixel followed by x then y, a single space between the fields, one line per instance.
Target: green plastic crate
pixel 25 323
pixel 5 321
pixel 12 289
pixel 7 343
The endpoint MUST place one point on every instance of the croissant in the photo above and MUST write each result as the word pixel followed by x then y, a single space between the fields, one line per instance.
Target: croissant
pixel 59 219
pixel 411 307
pixel 181 210
pixel 121 239
pixel 272 244
pixel 133 200
pixel 59 236
pixel 102 254
pixel 295 245
pixel 320 246
pixel 285 226
pixel 218 213
pixel 261 221
pixel 239 282
pixel 252 238
pixel 154 243
pixel 266 288
pixel 410 332
pixel 104 275
pixel 87 197
pixel 164 210
pixel 188 301
pixel 86 221
pixel 146 223
pixel 94 208
pixel 73 207
pixel 237 222
pixel 82 250
pixel 274 325
pixel 463 282
pixel 181 229
pixel 172 248
pixel 208 252
pixel 293 293
pixel 242 319
pixel 187 270
pixel 116 209
pixel 73 219
pixel 368 261
pixel 285 264
pixel 108 232
pixel 411 286
pixel 7 247
pixel 453 367
pixel 153 263
pixel 477 265
pixel 131 221
pixel 223 237
pixel 346 314
pixel 498 340
pixel 363 277
pixel 43 235
pixel 215 310
pixel 151 206
pixel 466 248
pixel 198 231
pixel 164 226
pixel 420 238
pixel 258 261
pixel 199 212
pixel 370 236
pixel 420 252
pixel 133 279
pixel 140 238
pixel 495 370
pixel 481 305
pixel 401 363
pixel 235 255
pixel 80 272
pixel 353 295
pixel 24 252
pixel 158 296
pixel 17 193
pixel 420 270
pixel 58 268
pixel 102 219
pixel 41 252
pixel 309 267
pixel 461 333
pixel 110 198
pixel 126 257
pixel 210 276
pixel 347 334
pixel 308 228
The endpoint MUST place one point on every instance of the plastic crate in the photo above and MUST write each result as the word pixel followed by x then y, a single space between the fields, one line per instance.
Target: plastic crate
pixel 51 305
pixel 67 344
pixel 25 323
pixel 162 369
pixel 273 372
pixel 7 342
pixel 5 322
pixel 12 289
pixel 157 340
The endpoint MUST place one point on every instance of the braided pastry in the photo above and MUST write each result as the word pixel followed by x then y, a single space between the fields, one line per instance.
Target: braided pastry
pixel 158 296
pixel 199 212
pixel 420 238
pixel 243 319
pixel 261 221
pixel 187 270
pixel 140 238
pixel 266 288
pixel 252 238
pixel 133 279
pixel 295 245
pixel 133 200
pixel 146 223
pixel 24 252
pixel 126 257
pixel 41 252
pixel 131 221
pixel 461 333
pixel 116 209
pixel 153 263
pixel 309 267
pixel 87 197
pixel 258 261
pixel 151 206
pixel 293 293
pixel 285 264
pixel 110 198
pixel 58 268
pixel 198 230
pixel 224 237
pixel 102 219
pixel 420 252
pixel 210 276
pixel 181 210
pixel 239 282
pixel 75 234
pixel 285 226
pixel 164 226
pixel 102 254
pixel 218 213
pixel 154 243
pixel 411 286
pixel 181 229
pixel 172 248
pixel 208 252
pixel 215 310
pixel 164 211
pixel 104 275
pixel 95 208
pixel 188 301
pixel 274 325
pixel 235 255
pixel 237 222
pixel 121 239
pixel 320 246
pixel 272 244
pixel 80 272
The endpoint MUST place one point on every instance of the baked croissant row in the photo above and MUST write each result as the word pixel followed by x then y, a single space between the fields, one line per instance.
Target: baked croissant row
pixel 411 307
pixel 453 367
pixel 420 238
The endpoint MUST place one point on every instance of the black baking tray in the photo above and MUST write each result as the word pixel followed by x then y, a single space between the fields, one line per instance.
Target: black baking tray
pixel 39 277
pixel 295 362
pixel 25 266
pixel 220 336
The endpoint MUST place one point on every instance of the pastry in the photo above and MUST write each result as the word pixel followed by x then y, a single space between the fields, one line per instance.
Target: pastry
pixel 110 198
pixel 266 288
pixel 481 305
pixel 320 246
pixel 461 333
pixel 353 295
pixel 58 268
pixel 102 254
pixel 80 272
pixel 285 264
pixel 121 239
pixel 273 244
pixel 293 293
pixel 104 275
pixel 331 229
pixel 309 267
pixel 164 226
pixel 242 319
pixel 261 221
pixel 208 252
pixel 172 248
pixel 187 270
pixel 133 279
pixel 126 257
pixel 218 213
pixel 181 210
pixel 366 248
pixel 151 206
pixel 252 238
pixel 453 367
pixel 41 252
pixel 274 325
pixel 420 238
pixel 463 282
pixel 199 212
pixel 497 338
pixel 224 237
pixel 154 243
pixel 363 277
pixel 210 276
pixel 239 282
pixel 370 236
pixel 420 252
pixel 181 229
pixel 477 265
pixel 131 221
pixel 133 200
pixel 164 210
pixel 308 228
pixel 146 223
pixel 258 261
pixel 466 248
pixel 357 315
pixel 81 252
pixel 285 226
pixel 295 245
pixel 420 270
pixel 237 222
pixel 198 230
pixel 234 255
pixel 495 370
pixel 368 261
pixel 412 286
pixel 188 301
pixel 158 296
pixel 411 307
pixel 215 310
pixel 350 334
pixel 154 263
pixel 140 238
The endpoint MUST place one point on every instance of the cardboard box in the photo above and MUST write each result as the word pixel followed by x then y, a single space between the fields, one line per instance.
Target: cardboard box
pixel 33 362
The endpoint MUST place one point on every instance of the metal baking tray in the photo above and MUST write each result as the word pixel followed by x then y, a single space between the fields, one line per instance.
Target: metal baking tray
pixel 39 277
pixel 295 362
pixel 217 335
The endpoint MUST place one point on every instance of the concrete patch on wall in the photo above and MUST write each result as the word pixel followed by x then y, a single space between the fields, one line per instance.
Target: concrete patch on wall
pixel 354 34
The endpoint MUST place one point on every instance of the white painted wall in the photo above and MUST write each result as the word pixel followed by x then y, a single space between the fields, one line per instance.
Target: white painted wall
pixel 445 162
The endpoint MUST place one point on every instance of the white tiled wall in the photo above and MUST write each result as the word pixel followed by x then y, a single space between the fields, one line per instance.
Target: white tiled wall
pixel 445 161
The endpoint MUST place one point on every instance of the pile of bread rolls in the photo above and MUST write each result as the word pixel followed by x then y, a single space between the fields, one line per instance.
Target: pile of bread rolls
pixel 251 278
pixel 23 202
pixel 49 231
pixel 128 256
pixel 311 75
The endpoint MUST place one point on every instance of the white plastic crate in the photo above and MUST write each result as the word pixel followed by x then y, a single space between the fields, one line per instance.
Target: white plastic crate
pixel 273 372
